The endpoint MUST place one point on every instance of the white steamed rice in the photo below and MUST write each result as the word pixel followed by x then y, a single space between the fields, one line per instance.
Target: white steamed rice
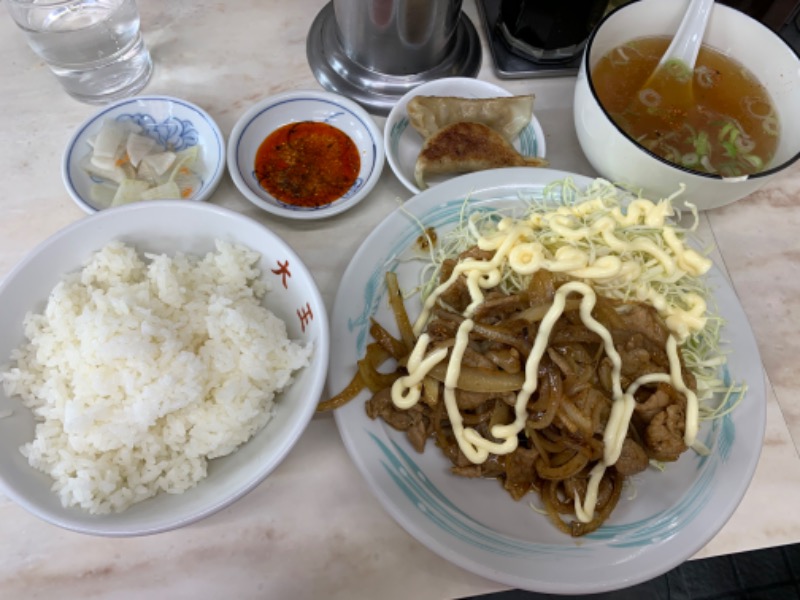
pixel 140 370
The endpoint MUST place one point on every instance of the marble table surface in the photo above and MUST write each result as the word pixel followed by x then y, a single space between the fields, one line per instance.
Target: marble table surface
pixel 313 528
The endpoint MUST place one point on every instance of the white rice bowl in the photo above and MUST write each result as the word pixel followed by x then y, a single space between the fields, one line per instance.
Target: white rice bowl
pixel 183 451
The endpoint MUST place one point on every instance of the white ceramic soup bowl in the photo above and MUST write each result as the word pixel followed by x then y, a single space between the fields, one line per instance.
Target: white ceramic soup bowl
pixel 164 226
pixel 617 157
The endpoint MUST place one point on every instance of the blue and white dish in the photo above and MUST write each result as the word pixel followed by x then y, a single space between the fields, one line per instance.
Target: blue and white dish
pixel 403 143
pixel 661 520
pixel 304 105
pixel 175 124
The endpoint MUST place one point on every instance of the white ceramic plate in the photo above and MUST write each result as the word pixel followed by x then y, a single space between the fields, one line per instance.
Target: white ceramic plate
pixel 475 523
pixel 403 143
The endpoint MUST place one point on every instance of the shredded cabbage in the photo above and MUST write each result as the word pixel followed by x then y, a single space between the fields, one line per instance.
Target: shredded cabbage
pixel 582 210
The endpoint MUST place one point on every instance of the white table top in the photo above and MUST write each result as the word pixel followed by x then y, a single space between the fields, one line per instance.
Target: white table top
pixel 313 528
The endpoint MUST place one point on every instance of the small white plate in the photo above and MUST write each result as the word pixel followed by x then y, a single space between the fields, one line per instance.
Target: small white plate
pixel 306 105
pixel 474 523
pixel 403 143
pixel 174 123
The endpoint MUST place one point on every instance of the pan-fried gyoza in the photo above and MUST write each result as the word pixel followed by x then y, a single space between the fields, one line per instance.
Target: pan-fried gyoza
pixel 550 353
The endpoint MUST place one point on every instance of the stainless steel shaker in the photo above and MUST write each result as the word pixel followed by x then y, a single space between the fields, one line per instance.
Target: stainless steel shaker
pixel 397 37
pixel 375 51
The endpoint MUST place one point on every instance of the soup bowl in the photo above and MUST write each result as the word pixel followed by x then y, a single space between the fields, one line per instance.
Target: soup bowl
pixel 619 158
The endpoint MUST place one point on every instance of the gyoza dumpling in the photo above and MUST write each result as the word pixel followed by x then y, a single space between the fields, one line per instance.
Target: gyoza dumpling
pixel 466 147
pixel 507 115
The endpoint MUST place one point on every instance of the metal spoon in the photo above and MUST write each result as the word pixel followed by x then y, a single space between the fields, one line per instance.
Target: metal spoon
pixel 676 67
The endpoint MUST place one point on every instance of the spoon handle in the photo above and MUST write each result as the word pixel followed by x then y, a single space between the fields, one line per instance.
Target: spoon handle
pixel 686 43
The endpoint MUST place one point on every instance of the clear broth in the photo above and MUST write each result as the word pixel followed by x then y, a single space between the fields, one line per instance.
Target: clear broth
pixel 730 129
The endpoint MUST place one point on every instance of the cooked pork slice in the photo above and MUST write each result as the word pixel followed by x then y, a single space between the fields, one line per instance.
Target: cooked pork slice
pixel 633 458
pixel 664 434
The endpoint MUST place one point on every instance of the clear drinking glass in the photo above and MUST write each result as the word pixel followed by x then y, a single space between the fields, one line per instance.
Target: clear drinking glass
pixel 93 47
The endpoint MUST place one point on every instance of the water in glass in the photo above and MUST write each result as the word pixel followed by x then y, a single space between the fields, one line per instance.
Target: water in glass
pixel 95 48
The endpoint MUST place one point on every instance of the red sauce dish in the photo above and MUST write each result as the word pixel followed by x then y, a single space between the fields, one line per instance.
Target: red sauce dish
pixel 307 164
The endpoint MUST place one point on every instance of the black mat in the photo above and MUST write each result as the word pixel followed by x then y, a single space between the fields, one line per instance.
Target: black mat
pixel 769 574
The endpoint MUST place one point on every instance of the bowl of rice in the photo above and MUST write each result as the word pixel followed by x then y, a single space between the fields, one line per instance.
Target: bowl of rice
pixel 159 360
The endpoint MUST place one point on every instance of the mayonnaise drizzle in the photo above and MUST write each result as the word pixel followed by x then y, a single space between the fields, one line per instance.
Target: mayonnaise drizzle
pixel 406 390
pixel 515 244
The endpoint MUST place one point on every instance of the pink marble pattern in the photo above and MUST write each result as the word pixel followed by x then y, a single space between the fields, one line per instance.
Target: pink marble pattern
pixel 760 240
pixel 313 528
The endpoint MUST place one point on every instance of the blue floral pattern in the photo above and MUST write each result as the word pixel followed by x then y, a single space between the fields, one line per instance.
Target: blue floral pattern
pixel 172 133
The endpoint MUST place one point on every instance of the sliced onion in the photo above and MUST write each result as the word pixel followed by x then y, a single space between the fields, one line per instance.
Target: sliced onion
pixel 480 380
pixel 749 104
pixel 649 97
pixel 620 57
pixel 754 161
pixel 705 77
pixel 165 191
pixel 102 194
pixel 744 143
pixel 138 146
pixel 690 159
pixel 672 153
pixel 188 183
pixel 129 190
pixel 109 139
pixel 770 125
pixel 136 167
pixel 160 162
pixel 99 172
pixel 706 162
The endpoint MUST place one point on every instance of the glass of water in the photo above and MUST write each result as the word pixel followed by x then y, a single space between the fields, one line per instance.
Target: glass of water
pixel 94 47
